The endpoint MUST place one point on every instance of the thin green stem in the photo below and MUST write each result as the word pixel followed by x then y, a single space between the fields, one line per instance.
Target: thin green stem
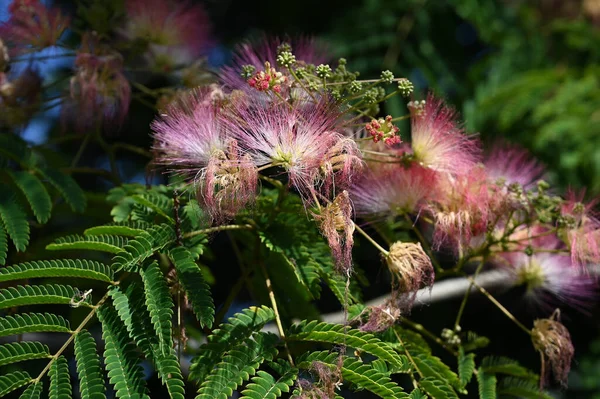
pixel 420 328
pixel 218 228
pixel 463 304
pixel 80 151
pixel 371 240
pixel 131 148
pixel 275 310
pixel 410 358
pixel 110 153
pixel 71 338
pixel 499 305
pixel 297 79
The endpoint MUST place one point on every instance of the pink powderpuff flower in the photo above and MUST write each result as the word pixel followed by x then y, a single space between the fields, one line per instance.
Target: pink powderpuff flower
pixel 582 229
pixel 513 164
pixel 176 32
pixel 99 91
pixel 394 190
pixel 438 142
pixel 305 49
pixel 303 139
pixel 549 277
pixel 463 210
pixel 189 138
pixel 32 26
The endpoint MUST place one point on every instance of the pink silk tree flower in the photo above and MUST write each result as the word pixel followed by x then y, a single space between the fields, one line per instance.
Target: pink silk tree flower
pixel 305 49
pixel 581 230
pixel 550 277
pixel 302 139
pixel 513 164
pixel 438 142
pixel 176 32
pixel 32 26
pixel 394 190
pixel 99 91
pixel 463 209
pixel 189 139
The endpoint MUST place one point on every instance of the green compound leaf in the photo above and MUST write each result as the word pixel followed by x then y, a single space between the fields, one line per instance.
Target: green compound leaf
pixel 103 243
pixel 356 372
pixel 505 365
pixel 265 386
pixel 15 222
pixel 238 328
pixel 143 246
pixel 127 229
pixel 159 303
pixel 240 363
pixel 437 389
pixel 36 194
pixel 466 367
pixel 33 391
pixel 131 308
pixel 197 290
pixel 316 331
pixel 67 187
pixel 120 358
pixel 487 385
pixel 60 380
pixel 3 244
pixel 159 203
pixel 32 322
pixel 40 295
pixel 80 268
pixel 160 306
pixel 91 379
pixel 20 351
pixel 521 388
pixel 13 381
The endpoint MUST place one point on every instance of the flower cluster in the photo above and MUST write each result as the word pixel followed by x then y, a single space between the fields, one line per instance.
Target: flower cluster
pixel 171 33
pixel 32 26
pixel 99 91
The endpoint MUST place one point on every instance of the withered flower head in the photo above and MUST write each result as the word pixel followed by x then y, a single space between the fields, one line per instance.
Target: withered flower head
pixel 380 318
pixel 410 266
pixel 337 226
pixel 552 339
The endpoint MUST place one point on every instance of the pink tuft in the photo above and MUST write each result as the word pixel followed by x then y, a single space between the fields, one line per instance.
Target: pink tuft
pixel 439 143
pixel 464 208
pixel 32 26
pixel 583 229
pixel 302 139
pixel 513 164
pixel 549 278
pixel 177 32
pixel 99 91
pixel 190 139
pixel 394 190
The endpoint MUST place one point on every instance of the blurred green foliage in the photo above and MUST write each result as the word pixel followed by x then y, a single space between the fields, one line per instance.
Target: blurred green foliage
pixel 523 71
